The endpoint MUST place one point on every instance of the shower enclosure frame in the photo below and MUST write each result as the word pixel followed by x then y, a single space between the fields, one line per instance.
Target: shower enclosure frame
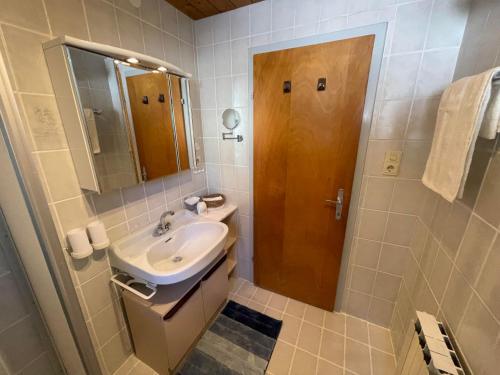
pixel 19 149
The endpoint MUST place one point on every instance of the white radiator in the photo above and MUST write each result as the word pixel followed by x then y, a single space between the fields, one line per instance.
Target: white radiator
pixel 428 349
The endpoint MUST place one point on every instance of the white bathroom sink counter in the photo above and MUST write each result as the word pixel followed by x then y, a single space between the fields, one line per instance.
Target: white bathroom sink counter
pixel 192 243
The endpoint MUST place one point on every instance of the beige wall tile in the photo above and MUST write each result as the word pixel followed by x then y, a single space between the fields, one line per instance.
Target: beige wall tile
pixel 414 159
pixel 130 32
pixel 25 54
pixel 98 292
pixel 357 304
pixel 109 208
pixel 367 253
pixel 423 118
pixel 65 17
pixel 386 286
pixel 440 274
pixel 408 197
pixel 378 193
pixel 102 22
pixel 108 322
pixel 473 250
pixel 44 122
pixel 87 268
pixel 399 229
pixel 169 18
pixel 362 279
pixel 478 335
pixel 488 204
pixel 380 312
pixel 116 351
pixel 455 228
pixel 74 213
pixel 372 224
pixel 153 41
pixel 60 174
pixel 375 155
pixel 393 259
pixel 455 298
pixel 25 13
pixel 150 12
pixel 488 285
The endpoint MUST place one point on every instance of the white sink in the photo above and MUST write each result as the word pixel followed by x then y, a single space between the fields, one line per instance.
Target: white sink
pixel 190 246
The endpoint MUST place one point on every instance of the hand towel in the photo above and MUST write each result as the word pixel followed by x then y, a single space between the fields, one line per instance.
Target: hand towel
pixel 460 116
pixel 92 129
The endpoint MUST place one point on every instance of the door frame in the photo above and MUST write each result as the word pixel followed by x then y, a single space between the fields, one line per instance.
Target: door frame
pixel 379 30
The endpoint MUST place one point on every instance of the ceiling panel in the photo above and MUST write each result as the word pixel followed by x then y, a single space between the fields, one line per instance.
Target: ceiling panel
pixel 197 9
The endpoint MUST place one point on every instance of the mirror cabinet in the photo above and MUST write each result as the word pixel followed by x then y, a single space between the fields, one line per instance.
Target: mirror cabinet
pixel 127 119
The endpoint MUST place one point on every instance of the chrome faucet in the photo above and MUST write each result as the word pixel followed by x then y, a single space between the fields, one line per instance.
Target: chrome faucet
pixel 164 225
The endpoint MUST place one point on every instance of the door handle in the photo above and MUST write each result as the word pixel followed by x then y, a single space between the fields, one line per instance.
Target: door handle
pixel 338 203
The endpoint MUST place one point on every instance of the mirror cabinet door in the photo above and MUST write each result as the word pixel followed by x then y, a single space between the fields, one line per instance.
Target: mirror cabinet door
pixel 150 107
pixel 105 123
pixel 137 121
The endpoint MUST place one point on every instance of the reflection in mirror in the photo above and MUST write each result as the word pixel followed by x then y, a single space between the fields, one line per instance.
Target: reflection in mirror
pixel 107 132
pixel 137 122
pixel 231 118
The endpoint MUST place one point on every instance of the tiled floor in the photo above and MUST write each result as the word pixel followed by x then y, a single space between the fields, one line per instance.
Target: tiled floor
pixel 312 341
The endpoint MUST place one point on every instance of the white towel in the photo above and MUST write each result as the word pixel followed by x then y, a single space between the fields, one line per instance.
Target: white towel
pixel 92 129
pixel 460 117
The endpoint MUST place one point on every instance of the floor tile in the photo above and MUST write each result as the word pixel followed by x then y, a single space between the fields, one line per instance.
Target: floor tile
pixel 335 322
pixel 295 308
pixel 309 338
pixel 380 338
pixel 281 359
pixel 332 347
pixel 247 290
pixel 357 329
pixel 261 296
pixel 382 363
pixel 290 329
pixel 314 315
pixel 303 363
pixel 327 368
pixel 278 302
pixel 357 357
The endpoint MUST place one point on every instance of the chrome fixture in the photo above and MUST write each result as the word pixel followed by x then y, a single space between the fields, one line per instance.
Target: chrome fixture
pixel 163 226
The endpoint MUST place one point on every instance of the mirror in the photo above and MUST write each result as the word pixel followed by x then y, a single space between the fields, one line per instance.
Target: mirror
pixel 230 118
pixel 137 121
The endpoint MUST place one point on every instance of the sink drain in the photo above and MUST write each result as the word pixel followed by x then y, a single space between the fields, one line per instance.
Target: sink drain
pixel 177 259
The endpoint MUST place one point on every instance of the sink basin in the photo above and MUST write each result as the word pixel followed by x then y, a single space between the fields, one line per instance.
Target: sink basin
pixel 173 257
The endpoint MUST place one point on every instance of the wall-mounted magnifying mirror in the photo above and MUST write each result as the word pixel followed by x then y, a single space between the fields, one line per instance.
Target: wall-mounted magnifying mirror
pixel 125 123
pixel 231 118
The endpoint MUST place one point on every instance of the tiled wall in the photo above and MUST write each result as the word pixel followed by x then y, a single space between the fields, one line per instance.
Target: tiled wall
pixel 454 259
pixel 419 60
pixel 156 29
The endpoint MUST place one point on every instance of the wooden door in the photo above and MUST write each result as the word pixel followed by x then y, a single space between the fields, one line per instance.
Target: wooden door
pixel 153 124
pixel 305 146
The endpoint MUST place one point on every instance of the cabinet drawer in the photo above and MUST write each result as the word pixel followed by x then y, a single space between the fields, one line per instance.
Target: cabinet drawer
pixel 215 288
pixel 183 326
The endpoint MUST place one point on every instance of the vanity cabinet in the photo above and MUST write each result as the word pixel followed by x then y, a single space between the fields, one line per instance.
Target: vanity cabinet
pixel 165 327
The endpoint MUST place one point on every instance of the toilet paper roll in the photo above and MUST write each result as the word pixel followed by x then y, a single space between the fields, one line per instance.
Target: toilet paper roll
pixel 98 235
pixel 79 243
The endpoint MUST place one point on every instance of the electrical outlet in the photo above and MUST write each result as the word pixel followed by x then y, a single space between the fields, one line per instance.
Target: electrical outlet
pixel 392 161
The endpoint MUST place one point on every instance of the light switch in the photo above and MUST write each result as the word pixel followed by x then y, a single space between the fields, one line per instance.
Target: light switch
pixel 391 163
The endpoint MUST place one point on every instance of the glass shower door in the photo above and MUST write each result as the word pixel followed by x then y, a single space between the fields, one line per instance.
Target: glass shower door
pixel 25 344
